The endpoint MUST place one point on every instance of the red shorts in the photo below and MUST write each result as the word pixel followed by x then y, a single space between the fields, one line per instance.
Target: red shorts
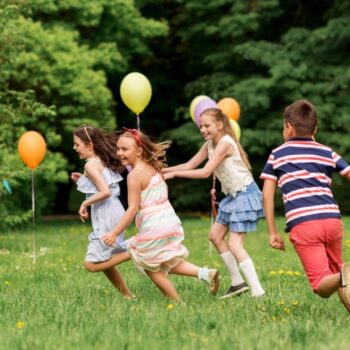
pixel 319 246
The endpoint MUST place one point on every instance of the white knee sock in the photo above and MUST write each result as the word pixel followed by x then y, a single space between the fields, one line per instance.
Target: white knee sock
pixel 232 267
pixel 248 269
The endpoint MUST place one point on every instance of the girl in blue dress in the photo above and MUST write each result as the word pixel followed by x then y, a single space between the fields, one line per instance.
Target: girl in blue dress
pixel 100 184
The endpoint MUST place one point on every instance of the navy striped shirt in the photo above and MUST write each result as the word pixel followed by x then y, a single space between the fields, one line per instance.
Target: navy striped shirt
pixel 303 170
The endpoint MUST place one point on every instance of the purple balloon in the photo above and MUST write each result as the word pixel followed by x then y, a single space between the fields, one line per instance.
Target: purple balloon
pixel 202 106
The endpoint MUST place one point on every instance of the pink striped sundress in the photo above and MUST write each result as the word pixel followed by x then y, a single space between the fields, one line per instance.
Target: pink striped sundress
pixel 158 245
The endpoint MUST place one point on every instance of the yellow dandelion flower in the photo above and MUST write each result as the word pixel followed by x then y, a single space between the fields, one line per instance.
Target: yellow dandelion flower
pixel 170 306
pixel 290 273
pixel 273 318
pixel 295 303
pixel 281 302
pixel 281 272
pixel 297 273
pixel 286 310
pixel 20 325
pixel 272 273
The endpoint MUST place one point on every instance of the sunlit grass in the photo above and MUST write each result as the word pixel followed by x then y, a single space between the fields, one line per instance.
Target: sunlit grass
pixel 56 304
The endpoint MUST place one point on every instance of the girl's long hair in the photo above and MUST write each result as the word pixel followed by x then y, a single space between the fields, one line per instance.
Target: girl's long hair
pixel 104 144
pixel 153 153
pixel 219 116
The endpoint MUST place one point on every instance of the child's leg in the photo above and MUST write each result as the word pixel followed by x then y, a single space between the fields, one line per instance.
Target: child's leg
pixel 185 268
pixel 160 279
pixel 246 264
pixel 328 285
pixel 344 290
pixel 211 276
pixel 217 237
pixel 116 279
pixel 113 261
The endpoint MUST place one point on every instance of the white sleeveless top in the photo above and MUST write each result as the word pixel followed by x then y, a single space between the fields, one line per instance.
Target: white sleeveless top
pixel 232 172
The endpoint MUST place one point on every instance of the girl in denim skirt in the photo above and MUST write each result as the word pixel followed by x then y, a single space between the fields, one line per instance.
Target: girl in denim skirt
pixel 240 210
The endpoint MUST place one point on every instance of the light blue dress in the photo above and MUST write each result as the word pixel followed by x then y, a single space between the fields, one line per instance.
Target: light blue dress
pixel 105 215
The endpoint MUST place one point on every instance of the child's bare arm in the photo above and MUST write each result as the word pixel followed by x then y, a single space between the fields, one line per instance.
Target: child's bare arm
pixel 275 240
pixel 134 195
pixel 196 160
pixel 347 175
pixel 221 151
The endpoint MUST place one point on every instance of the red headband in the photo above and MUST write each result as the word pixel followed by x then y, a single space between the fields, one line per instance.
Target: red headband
pixel 136 136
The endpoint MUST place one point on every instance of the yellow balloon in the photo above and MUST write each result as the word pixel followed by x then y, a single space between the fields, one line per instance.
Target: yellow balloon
pixel 236 128
pixel 136 92
pixel 194 104
pixel 31 148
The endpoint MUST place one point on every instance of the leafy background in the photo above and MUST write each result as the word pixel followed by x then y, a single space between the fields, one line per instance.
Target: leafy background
pixel 61 64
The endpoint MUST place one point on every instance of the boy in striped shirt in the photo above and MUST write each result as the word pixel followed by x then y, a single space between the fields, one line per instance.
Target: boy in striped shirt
pixel 302 168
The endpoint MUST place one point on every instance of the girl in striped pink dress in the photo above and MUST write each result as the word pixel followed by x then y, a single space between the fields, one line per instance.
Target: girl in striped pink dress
pixel 157 249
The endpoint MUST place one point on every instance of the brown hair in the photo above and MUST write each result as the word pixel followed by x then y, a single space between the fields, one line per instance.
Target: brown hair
pixel 104 144
pixel 153 153
pixel 302 116
pixel 219 116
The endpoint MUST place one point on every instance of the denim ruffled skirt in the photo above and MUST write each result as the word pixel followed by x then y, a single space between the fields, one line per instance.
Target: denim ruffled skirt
pixel 242 212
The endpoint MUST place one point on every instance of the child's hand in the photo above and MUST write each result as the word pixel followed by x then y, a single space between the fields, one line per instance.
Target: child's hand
pixel 109 238
pixel 83 212
pixel 276 241
pixel 75 176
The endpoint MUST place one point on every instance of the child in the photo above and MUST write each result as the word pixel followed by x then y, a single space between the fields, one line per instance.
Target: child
pixel 157 248
pixel 240 210
pixel 100 184
pixel 303 169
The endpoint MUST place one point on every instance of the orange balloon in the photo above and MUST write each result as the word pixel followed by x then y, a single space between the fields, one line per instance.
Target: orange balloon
pixel 31 148
pixel 230 107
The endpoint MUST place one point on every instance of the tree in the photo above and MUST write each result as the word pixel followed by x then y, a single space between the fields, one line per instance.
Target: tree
pixel 15 106
pixel 57 59
pixel 266 54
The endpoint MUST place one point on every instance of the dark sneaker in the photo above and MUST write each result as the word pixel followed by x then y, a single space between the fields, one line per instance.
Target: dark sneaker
pixel 235 290
pixel 345 280
pixel 213 281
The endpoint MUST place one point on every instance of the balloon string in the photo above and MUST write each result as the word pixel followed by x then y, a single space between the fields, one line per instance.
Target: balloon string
pixel 33 216
pixel 213 198
pixel 213 208
pixel 138 121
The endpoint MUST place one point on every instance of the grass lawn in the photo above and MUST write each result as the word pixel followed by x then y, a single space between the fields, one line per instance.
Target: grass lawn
pixel 56 304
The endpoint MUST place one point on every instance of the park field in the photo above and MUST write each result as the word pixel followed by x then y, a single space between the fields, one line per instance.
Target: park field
pixel 56 304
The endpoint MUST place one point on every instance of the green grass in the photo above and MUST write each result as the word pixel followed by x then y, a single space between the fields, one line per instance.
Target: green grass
pixel 56 304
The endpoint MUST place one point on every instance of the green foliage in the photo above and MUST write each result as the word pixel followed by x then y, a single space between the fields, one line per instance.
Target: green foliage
pixel 19 109
pixel 61 63
pixel 56 58
pixel 266 54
